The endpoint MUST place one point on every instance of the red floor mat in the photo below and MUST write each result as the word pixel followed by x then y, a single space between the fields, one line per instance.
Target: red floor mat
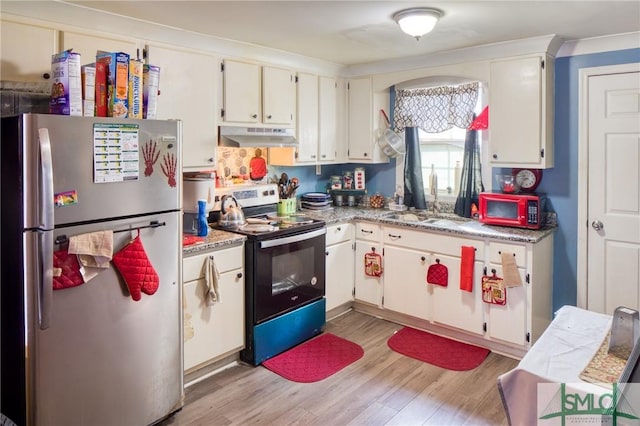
pixel 436 350
pixel 315 359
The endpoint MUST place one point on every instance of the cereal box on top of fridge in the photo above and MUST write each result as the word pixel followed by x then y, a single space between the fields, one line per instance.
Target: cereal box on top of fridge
pixel 135 88
pixel 101 89
pixel 151 85
pixel 117 82
pixel 88 89
pixel 66 88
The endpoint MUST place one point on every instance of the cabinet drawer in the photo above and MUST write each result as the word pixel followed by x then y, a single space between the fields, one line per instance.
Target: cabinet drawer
pixel 339 233
pixel 226 260
pixel 496 250
pixel 426 241
pixel 367 231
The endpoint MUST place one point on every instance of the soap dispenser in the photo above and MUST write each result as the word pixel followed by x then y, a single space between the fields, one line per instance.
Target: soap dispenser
pixel 203 226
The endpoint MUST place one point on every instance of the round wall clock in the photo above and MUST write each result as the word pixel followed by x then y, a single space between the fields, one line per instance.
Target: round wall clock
pixel 528 179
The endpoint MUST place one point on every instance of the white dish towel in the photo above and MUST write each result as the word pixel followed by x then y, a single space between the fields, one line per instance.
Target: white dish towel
pixel 211 279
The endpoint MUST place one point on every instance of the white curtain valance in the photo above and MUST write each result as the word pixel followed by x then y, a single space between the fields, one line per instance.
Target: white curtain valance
pixel 435 109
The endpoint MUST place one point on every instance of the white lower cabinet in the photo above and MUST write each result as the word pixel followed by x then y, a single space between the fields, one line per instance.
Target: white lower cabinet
pixel 212 331
pixel 339 265
pixel 408 254
pixel 368 289
pixel 405 288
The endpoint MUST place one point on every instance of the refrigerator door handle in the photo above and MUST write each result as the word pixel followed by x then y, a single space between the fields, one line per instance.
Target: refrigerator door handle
pixel 45 289
pixel 46 180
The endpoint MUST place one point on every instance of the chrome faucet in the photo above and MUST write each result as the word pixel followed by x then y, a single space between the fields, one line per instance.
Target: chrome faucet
pixel 433 184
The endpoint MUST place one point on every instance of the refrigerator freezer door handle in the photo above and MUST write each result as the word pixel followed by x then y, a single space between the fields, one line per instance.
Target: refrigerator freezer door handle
pixel 46 182
pixel 45 289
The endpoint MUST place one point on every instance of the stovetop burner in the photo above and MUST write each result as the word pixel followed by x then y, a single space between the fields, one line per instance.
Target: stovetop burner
pixel 271 225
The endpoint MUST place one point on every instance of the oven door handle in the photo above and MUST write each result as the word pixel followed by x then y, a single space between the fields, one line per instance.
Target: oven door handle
pixel 293 239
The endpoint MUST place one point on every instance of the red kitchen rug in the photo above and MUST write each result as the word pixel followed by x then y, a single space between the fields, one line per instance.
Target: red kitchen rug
pixel 315 359
pixel 437 350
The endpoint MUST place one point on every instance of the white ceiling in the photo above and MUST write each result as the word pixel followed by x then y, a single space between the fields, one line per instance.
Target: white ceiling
pixel 356 32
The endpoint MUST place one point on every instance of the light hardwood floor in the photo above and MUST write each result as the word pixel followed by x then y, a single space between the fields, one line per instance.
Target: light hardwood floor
pixel 382 388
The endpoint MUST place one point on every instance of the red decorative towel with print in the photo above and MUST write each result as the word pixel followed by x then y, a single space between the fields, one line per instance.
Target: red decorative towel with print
pixel 466 268
pixel 69 270
pixel 438 274
pixel 136 269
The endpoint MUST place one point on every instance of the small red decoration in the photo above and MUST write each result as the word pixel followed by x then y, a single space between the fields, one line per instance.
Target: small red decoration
pixel 150 157
pixel 169 168
pixel 482 121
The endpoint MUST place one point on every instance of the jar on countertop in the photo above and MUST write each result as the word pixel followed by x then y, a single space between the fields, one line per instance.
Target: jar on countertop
pixel 347 180
pixel 335 182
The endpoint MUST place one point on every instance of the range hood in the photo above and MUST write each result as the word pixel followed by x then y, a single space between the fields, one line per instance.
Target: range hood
pixel 256 137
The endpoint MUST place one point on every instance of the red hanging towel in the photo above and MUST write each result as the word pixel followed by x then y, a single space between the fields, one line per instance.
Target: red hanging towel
pixel 466 268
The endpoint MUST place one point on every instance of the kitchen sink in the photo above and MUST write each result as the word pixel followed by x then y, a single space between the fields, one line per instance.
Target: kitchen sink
pixel 408 217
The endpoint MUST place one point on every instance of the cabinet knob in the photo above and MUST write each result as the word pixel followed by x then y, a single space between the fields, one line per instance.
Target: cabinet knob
pixel 339 228
pixel 495 156
pixel 46 76
pixel 239 275
pixel 423 258
pixel 269 116
pixel 210 160
pixel 254 115
pixel 326 253
pixel 366 154
pixel 324 156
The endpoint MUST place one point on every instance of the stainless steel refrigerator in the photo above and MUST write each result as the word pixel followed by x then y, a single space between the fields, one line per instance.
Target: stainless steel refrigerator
pixel 89 354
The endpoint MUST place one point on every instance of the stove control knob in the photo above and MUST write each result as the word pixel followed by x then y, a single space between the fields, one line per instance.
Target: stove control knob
pixel 272 192
pixel 265 193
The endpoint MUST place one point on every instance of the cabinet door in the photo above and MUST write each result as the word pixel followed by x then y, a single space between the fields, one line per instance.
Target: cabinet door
pixel 509 322
pixel 328 125
pixel 367 289
pixel 213 330
pixel 405 285
pixel 516 94
pixel 455 307
pixel 241 92
pixel 26 52
pixel 88 45
pixel 360 119
pixel 339 274
pixel 187 92
pixel 307 116
pixel 278 96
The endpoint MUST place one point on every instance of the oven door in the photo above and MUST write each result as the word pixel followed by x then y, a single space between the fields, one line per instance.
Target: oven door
pixel 289 273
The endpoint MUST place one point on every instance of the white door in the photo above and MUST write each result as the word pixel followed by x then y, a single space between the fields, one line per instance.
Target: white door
pixel 613 236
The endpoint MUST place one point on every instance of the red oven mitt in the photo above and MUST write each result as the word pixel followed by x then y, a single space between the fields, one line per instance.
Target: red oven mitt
pixel 438 274
pixel 136 269
pixel 68 270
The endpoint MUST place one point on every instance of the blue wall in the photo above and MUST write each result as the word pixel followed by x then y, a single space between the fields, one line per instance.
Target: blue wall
pixel 561 182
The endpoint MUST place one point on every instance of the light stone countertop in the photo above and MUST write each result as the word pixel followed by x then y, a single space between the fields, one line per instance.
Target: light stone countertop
pixel 448 223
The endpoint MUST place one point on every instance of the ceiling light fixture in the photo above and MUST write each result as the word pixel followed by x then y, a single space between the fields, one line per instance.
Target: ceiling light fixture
pixel 417 21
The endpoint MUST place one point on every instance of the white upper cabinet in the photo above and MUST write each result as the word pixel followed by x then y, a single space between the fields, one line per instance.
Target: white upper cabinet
pixel 307 117
pixel 521 112
pixel 187 92
pixel 253 94
pixel 26 52
pixel 362 143
pixel 328 119
pixel 278 96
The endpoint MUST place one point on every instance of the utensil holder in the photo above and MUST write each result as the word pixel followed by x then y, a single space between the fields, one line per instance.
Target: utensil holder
pixel 286 206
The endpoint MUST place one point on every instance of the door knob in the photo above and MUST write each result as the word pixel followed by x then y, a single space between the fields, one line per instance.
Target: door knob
pixel 597 225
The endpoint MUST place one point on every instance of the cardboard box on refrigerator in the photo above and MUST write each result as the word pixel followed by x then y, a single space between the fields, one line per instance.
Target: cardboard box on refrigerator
pixel 151 86
pixel 101 90
pixel 88 89
pixel 66 88
pixel 117 82
pixel 135 88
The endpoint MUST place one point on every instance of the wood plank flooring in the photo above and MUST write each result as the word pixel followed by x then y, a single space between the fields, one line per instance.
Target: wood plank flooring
pixel 382 388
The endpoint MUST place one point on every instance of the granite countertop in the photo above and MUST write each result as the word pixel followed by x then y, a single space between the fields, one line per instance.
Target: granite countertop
pixel 216 240
pixel 447 223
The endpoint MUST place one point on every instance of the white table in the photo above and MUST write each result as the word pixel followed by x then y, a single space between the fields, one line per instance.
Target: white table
pixel 558 356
